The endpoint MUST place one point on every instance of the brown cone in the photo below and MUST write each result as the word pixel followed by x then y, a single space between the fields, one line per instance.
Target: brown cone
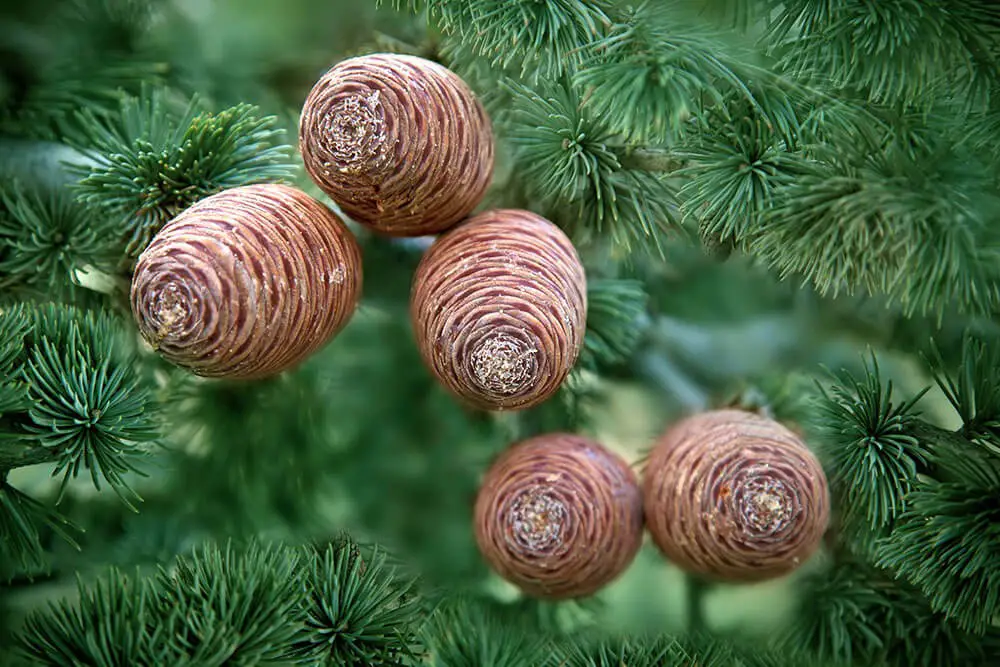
pixel 731 495
pixel 400 143
pixel 559 516
pixel 499 309
pixel 247 283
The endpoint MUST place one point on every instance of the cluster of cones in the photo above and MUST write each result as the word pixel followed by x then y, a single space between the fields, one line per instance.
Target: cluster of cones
pixel 251 281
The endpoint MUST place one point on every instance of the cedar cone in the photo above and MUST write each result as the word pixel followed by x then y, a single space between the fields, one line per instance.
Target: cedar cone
pixel 735 496
pixel 400 143
pixel 247 283
pixel 559 516
pixel 499 309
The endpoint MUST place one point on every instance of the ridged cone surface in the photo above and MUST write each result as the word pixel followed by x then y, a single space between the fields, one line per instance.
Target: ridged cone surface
pixel 731 495
pixel 399 142
pixel 499 309
pixel 559 516
pixel 247 283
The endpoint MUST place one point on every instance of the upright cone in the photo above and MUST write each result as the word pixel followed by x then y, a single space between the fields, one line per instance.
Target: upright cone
pixel 247 283
pixel 731 495
pixel 499 309
pixel 559 516
pixel 400 143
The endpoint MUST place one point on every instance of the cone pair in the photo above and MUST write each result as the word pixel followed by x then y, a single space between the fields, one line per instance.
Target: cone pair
pixel 726 495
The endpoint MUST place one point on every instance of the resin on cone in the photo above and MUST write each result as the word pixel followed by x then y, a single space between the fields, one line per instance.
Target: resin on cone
pixel 399 142
pixel 247 283
pixel 734 496
pixel 499 309
pixel 559 516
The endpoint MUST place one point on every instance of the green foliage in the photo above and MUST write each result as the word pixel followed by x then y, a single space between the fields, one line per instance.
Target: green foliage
pixel 115 26
pixel 739 14
pixel 71 396
pixel 88 405
pixel 283 454
pixel 975 391
pixel 14 326
pixel 226 606
pixel 101 51
pixel 151 161
pixel 873 455
pixel 44 239
pixel 567 161
pixel 829 228
pixel 871 215
pixel 740 166
pixel 981 130
pixel 107 627
pixel 616 310
pixel 49 111
pixel 899 52
pixel 544 38
pixel 430 454
pixel 256 470
pixel 842 618
pixel 559 147
pixel 649 74
pixel 13 397
pixel 249 605
pixel 358 612
pixel 633 651
pixel 20 519
pixel 566 412
pixel 959 520
pixel 668 651
pixel 854 615
pixel 462 633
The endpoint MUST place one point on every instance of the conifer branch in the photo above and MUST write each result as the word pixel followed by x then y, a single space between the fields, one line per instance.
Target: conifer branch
pixel 81 403
pixel 358 611
pixel 872 448
pixel 960 519
pixel 875 470
pixel 738 168
pixel 229 604
pixel 974 392
pixel 100 53
pixel 21 518
pixel 648 650
pixel 855 614
pixel 544 36
pixel 48 238
pixel 616 313
pixel 565 158
pixel 108 626
pixel 18 455
pixel 464 633
pixel 895 52
pixel 876 218
pixel 249 604
pixel 152 159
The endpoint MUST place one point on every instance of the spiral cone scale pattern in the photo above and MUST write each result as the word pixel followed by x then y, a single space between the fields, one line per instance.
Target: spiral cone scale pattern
pixel 734 496
pixel 559 516
pixel 499 309
pixel 399 142
pixel 247 283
